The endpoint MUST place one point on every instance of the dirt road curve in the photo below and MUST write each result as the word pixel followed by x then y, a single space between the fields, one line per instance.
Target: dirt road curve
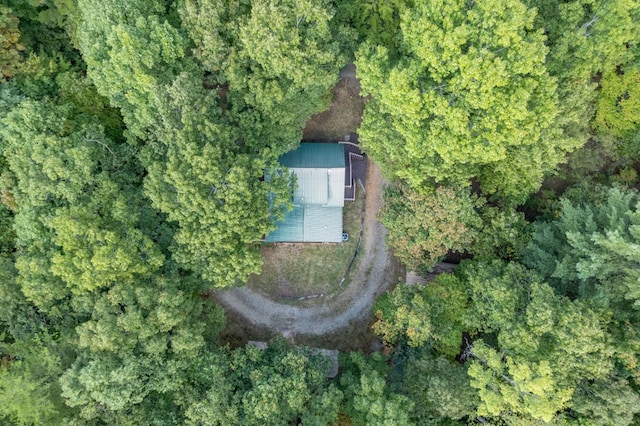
pixel 374 274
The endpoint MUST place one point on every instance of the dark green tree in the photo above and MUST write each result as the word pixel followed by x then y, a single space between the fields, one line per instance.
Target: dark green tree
pixel 439 388
pixel 368 399
pixel 279 385
pixel 73 215
pixel 589 251
pixel 607 402
pixel 376 21
pixel 588 40
pixel 213 187
pixel 132 52
pixel 273 63
pixel 287 61
pixel 138 344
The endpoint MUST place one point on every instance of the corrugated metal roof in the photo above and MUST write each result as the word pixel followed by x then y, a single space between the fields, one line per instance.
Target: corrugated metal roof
pixel 309 224
pixel 322 224
pixel 321 187
pixel 319 195
pixel 315 155
pixel 291 228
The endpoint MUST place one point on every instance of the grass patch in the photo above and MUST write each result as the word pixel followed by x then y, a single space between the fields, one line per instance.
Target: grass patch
pixel 294 270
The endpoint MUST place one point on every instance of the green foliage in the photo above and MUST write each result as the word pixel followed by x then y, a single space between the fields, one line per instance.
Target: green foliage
pixel 547 344
pixel 503 233
pixel 10 47
pixel 213 188
pixel 283 389
pixel 150 317
pixel 99 243
pixel 131 54
pixel 508 388
pixel 440 389
pixel 29 392
pixel 7 234
pixel 618 109
pixel 376 21
pixel 207 151
pixel 532 322
pixel 285 62
pixel 103 312
pixel 607 402
pixel 211 25
pixel 526 348
pixel 423 228
pixel 433 314
pixel 461 100
pixel 139 342
pixel 498 292
pixel 368 399
pixel 619 103
pixel 586 38
pixel 273 62
pixel 280 385
pixel 46 27
pixel 590 253
pixel 19 318
pixel 591 250
pixel 74 221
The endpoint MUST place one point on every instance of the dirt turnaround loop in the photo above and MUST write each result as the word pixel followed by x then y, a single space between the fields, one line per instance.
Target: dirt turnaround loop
pixel 375 273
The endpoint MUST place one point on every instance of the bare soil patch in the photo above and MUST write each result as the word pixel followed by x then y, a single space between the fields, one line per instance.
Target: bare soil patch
pixel 344 114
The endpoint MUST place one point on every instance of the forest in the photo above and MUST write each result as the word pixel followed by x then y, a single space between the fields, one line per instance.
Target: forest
pixel 134 140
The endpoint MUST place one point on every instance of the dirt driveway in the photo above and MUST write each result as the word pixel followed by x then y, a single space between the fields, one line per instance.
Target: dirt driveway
pixel 377 271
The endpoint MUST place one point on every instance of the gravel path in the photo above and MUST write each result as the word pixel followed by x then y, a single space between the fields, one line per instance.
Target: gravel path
pixel 374 274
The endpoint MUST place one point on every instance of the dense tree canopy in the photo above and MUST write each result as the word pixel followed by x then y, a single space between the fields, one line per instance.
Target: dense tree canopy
pixel 9 41
pixel 459 100
pixel 526 349
pixel 138 153
pixel 207 144
pixel 212 187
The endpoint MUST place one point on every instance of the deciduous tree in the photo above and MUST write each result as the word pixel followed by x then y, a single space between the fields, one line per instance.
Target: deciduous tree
pixel 423 228
pixel 466 95
pixel 439 388
pixel 212 184
pixel 434 314
pixel 369 401
pixel 10 46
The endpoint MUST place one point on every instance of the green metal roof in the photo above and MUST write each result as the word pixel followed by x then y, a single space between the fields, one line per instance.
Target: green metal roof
pixel 315 155
pixel 309 224
pixel 323 224
pixel 291 228
pixel 319 196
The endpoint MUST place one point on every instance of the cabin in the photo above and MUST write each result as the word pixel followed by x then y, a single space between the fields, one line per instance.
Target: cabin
pixel 318 198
